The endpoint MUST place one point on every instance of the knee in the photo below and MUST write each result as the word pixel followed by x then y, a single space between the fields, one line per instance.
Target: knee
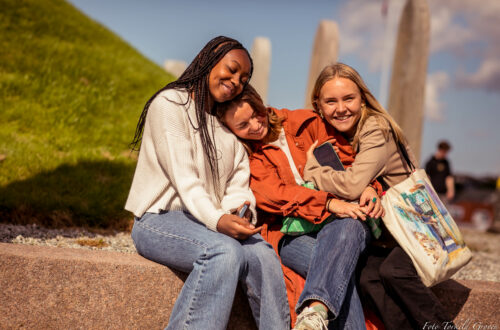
pixel 398 267
pixel 228 255
pixel 345 230
pixel 263 254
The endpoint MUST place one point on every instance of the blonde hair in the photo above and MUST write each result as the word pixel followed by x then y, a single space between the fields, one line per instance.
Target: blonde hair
pixel 372 108
pixel 249 95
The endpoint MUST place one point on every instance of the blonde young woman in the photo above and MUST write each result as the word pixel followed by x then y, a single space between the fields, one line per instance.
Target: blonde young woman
pixel 389 283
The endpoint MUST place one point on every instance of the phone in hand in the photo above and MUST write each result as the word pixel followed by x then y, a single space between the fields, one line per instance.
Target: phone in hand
pixel 326 156
pixel 243 211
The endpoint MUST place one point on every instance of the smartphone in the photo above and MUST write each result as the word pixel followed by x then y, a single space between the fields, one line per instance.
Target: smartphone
pixel 243 211
pixel 326 156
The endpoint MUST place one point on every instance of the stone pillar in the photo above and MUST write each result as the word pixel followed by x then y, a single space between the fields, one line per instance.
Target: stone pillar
pixel 409 72
pixel 175 67
pixel 325 51
pixel 261 56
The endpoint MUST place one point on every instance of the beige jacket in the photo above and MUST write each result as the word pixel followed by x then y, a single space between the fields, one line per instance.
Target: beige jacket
pixel 377 156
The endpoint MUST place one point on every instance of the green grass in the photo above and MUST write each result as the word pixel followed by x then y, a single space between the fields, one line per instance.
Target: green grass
pixel 71 93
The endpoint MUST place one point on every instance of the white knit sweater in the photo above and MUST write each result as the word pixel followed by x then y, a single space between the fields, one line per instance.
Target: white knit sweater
pixel 172 172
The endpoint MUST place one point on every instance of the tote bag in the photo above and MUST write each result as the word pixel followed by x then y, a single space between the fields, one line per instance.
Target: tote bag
pixel 424 228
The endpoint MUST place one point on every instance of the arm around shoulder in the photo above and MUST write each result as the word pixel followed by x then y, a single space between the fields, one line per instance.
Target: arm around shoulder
pixel 367 166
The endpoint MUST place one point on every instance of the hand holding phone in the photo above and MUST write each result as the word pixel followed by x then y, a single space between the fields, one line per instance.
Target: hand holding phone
pixel 243 210
pixel 326 156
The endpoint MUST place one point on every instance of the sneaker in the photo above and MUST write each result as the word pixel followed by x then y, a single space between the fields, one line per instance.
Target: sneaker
pixel 312 318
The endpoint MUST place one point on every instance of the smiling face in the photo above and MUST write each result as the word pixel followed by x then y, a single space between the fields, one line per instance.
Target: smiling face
pixel 340 102
pixel 246 123
pixel 228 77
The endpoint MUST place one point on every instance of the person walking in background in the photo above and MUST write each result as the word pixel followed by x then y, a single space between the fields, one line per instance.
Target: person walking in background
pixel 439 171
pixel 189 186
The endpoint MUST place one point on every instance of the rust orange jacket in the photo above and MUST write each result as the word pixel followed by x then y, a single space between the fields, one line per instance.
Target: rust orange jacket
pixel 276 192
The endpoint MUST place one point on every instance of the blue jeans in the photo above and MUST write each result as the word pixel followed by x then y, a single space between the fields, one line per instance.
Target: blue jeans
pixel 327 260
pixel 215 263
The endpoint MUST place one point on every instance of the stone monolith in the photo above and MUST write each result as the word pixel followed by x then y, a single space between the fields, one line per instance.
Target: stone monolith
pixel 409 71
pixel 325 51
pixel 175 67
pixel 261 56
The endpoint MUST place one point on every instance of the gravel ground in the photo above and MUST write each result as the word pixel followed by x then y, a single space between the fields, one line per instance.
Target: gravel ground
pixel 69 238
pixel 485 263
pixel 484 266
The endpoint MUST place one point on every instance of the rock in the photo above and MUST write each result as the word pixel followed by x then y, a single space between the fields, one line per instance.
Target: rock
pixel 409 72
pixel 325 52
pixel 175 67
pixel 261 56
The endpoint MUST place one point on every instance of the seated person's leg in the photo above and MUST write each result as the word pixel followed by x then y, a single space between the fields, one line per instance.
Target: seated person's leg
pixel 264 284
pixel 215 262
pixel 296 252
pixel 373 293
pixel 329 268
pixel 402 282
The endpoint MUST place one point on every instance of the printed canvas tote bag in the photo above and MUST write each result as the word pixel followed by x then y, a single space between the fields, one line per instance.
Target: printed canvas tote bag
pixel 424 228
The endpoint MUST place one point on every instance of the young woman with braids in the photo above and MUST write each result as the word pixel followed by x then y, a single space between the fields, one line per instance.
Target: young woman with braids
pixel 389 282
pixel 277 141
pixel 190 183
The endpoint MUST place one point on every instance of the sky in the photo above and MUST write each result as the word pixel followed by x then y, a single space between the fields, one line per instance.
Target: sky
pixel 463 78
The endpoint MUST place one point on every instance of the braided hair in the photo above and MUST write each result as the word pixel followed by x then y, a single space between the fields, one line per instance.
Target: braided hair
pixel 195 81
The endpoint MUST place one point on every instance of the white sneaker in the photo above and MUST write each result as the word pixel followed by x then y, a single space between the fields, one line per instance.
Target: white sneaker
pixel 312 318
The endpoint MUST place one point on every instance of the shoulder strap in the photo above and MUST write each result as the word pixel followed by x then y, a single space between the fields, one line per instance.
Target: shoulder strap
pixel 383 183
pixel 402 151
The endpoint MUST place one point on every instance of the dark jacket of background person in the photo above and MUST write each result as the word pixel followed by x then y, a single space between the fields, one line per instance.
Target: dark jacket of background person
pixel 438 170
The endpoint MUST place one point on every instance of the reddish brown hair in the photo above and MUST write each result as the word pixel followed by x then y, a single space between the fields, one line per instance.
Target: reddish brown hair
pixel 250 96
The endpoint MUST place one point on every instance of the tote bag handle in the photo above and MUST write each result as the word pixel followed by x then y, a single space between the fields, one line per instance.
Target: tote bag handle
pixel 403 152
pixel 406 159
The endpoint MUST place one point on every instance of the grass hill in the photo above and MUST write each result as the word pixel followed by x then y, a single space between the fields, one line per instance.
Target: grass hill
pixel 71 93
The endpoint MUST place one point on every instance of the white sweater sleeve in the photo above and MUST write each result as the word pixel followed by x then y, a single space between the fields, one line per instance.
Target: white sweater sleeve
pixel 238 189
pixel 174 151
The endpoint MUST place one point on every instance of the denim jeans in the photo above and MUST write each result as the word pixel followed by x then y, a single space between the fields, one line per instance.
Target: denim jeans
pixel 215 263
pixel 327 260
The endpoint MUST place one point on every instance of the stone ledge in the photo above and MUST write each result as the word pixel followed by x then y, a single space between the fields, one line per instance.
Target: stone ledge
pixel 471 302
pixel 60 288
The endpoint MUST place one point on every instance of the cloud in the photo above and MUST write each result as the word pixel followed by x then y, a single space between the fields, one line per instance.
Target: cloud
pixel 465 30
pixel 436 83
pixel 486 77
pixel 469 31
pixel 446 32
pixel 366 32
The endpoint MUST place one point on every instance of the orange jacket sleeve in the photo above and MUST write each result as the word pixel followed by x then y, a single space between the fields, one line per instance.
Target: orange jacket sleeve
pixel 275 195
